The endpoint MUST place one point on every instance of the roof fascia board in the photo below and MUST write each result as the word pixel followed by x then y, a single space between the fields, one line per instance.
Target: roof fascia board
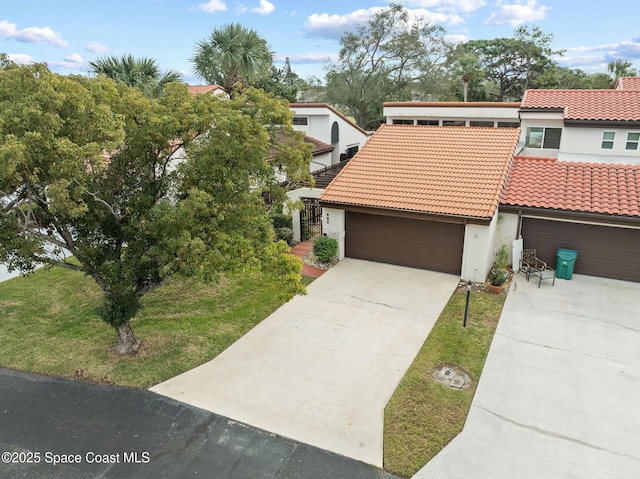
pixel 602 123
pixel 417 215
pixel 573 216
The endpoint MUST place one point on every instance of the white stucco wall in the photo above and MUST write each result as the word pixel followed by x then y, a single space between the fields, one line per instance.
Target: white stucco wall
pixel 451 113
pixel 333 225
pixel 295 195
pixel 506 233
pixel 478 255
pixel 585 144
pixel 319 124
pixel 320 161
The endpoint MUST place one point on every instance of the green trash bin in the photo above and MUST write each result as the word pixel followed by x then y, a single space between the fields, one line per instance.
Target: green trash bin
pixel 566 261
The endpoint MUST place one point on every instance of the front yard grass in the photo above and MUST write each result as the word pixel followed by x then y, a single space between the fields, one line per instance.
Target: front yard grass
pixel 423 416
pixel 48 325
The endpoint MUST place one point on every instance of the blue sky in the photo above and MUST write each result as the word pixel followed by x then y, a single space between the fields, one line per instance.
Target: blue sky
pixel 68 33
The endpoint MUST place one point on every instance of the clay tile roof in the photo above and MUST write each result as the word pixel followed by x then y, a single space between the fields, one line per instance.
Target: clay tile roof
pixel 604 188
pixel 198 89
pixel 603 105
pixel 628 83
pixel 441 170
pixel 319 147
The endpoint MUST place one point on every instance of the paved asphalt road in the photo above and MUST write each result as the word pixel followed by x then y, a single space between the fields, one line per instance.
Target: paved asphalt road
pixel 114 432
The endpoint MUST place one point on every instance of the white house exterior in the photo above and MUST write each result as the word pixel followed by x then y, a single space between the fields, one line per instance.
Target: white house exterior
pixel 324 123
pixel 479 114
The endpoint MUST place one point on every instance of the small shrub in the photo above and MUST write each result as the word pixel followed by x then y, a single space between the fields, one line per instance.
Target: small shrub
pixel 285 234
pixel 281 221
pixel 325 248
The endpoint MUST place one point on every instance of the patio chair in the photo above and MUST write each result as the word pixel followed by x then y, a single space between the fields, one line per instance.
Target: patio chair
pixel 530 264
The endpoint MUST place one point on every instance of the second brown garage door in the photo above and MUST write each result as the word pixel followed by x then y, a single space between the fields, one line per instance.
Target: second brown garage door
pixel 602 250
pixel 405 242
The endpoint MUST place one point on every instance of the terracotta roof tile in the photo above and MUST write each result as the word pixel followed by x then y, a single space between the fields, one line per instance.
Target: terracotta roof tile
pixel 442 170
pixel 604 105
pixel 319 147
pixel 198 89
pixel 584 187
pixel 628 83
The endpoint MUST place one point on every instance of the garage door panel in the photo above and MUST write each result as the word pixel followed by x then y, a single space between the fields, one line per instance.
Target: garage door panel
pixel 407 242
pixel 605 251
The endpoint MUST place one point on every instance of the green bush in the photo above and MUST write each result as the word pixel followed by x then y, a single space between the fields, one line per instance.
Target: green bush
pixel 325 248
pixel 285 234
pixel 281 221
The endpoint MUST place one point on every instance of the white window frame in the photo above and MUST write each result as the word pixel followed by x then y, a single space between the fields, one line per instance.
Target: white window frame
pixel 632 144
pixel 608 140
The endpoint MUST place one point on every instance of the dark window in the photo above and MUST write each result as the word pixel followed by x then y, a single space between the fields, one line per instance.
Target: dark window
pixel 632 141
pixel 540 137
pixel 429 122
pixel 454 123
pixel 352 150
pixel 508 124
pixel 300 120
pixel 481 123
pixel 403 122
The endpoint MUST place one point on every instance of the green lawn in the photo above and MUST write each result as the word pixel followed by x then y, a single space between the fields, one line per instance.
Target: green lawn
pixel 48 325
pixel 423 416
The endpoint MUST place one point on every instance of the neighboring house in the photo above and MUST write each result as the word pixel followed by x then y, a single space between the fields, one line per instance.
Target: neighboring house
pixel 425 197
pixel 576 183
pixel 324 127
pixel 593 208
pixel 214 89
pixel 411 195
pixel 480 114
pixel 327 125
pixel 582 125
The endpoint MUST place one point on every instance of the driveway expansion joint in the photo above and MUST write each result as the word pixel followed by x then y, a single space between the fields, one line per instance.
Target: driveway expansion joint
pixel 554 435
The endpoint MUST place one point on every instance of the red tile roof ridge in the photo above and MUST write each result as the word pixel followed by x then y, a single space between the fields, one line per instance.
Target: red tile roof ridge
pixel 590 164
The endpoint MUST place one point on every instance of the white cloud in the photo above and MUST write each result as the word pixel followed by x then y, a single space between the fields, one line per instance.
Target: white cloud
pixel 334 26
pixel 309 58
pixel 265 8
pixel 20 58
pixel 72 62
pixel 448 5
pixel 74 58
pixel 595 58
pixel 31 34
pixel 514 14
pixel 95 47
pixel 213 6
pixel 457 38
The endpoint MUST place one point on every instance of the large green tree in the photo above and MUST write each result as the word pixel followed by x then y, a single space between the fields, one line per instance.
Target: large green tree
pixel 390 57
pixel 282 82
pixel 512 65
pixel 86 170
pixel 232 56
pixel 142 73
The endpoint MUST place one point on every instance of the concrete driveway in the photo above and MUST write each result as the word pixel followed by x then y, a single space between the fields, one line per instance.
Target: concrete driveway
pixel 322 368
pixel 560 393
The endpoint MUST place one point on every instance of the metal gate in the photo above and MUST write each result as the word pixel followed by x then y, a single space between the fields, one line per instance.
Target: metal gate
pixel 310 219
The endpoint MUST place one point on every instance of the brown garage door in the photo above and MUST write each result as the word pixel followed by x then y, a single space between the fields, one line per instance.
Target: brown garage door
pixel 406 242
pixel 602 251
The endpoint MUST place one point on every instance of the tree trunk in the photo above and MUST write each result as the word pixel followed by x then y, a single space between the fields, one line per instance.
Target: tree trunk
pixel 127 342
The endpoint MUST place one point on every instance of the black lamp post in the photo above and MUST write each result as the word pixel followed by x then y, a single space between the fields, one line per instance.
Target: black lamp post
pixel 466 308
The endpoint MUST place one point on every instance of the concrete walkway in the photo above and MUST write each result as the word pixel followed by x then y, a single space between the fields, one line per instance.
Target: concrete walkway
pixel 560 390
pixel 322 368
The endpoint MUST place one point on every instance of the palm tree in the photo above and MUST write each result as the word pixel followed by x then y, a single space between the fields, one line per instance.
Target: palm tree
pixel 232 56
pixel 143 73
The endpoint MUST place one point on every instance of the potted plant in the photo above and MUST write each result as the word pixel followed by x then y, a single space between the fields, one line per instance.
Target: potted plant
pixel 496 278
